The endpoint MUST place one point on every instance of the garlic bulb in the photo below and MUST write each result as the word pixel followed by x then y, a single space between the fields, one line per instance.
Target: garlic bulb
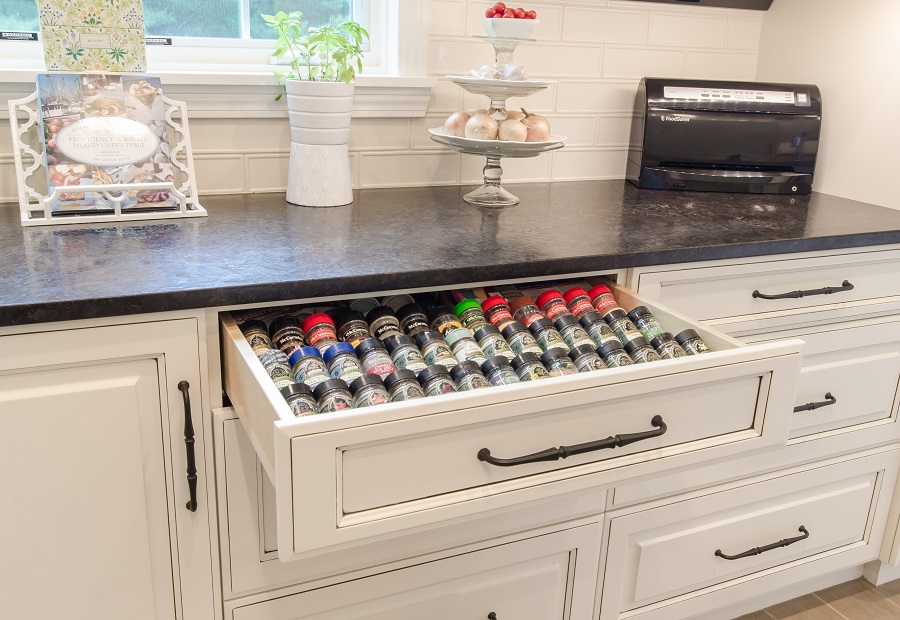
pixel 488 72
pixel 514 72
pixel 482 127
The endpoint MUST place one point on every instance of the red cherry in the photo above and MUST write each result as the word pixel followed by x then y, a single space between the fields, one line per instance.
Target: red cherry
pixel 520 13
pixel 531 14
pixel 490 12
pixel 499 7
pixel 509 13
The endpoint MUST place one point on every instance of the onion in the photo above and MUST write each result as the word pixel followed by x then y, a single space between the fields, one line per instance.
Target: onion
pixel 538 127
pixel 482 127
pixel 516 115
pixel 513 130
pixel 455 125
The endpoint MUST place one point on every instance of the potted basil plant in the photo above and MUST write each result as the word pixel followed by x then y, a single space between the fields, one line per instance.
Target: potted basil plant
pixel 319 87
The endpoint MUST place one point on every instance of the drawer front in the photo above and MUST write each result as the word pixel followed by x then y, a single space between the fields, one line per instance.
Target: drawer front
pixel 668 558
pixel 534 579
pixel 358 477
pixel 850 375
pixel 727 291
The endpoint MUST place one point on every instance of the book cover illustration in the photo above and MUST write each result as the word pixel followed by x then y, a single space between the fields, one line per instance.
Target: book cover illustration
pixel 92 35
pixel 104 130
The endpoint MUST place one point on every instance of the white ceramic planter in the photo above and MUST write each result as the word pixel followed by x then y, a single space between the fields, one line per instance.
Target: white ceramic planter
pixel 319 172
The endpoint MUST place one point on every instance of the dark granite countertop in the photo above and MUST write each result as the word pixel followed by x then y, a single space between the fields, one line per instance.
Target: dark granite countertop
pixel 257 248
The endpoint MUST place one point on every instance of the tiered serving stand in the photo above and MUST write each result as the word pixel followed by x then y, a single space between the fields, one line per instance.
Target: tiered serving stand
pixel 491 194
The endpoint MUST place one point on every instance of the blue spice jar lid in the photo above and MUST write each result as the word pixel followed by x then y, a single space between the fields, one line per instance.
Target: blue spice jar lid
pixel 340 347
pixel 302 352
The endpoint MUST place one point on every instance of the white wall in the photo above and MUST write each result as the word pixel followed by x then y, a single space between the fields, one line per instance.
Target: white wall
pixel 850 50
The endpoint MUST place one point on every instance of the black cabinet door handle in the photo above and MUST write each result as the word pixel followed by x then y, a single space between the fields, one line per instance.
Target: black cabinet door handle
pixel 184 386
pixel 554 454
pixel 774 545
pixel 828 290
pixel 829 400
pixel 492 616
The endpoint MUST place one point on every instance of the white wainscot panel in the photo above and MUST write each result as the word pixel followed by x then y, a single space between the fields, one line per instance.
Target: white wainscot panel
pixel 720 66
pixel 402 169
pixel 614 130
pixel 596 96
pixel 558 61
pixel 606 26
pixel 637 62
pixel 381 133
pixel 743 34
pixel 267 172
pixel 688 31
pixel 580 130
pixel 447 17
pixel 219 174
pixel 572 164
pixel 445 97
pixel 457 57
pixel 240 135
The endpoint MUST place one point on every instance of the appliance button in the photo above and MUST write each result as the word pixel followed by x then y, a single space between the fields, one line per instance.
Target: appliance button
pixel 802 98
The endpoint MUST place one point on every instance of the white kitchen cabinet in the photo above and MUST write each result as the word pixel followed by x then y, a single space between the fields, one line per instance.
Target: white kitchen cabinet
pixel 96 522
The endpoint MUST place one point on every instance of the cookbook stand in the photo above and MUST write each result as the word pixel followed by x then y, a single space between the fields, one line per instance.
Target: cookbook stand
pixel 36 209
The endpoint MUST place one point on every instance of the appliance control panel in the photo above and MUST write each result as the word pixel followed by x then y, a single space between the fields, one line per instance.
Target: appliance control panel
pixel 692 93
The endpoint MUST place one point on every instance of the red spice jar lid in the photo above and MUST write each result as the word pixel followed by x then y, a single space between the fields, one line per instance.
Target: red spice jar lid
pixel 598 290
pixel 493 300
pixel 546 296
pixel 574 292
pixel 518 302
pixel 315 319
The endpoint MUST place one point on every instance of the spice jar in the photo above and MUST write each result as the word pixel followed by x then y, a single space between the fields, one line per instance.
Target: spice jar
pixel 403 385
pixel 287 333
pixel 368 390
pixel 412 319
pixel 383 322
pixel 667 347
pixel 405 353
pixel 374 358
pixel 597 329
pixel 641 351
pixel 572 332
pixel 470 314
pixel 691 342
pixel 342 362
pixel 308 366
pixel 546 335
pixel 492 342
pixel 320 331
pixel 257 336
pixel 435 380
pixel 462 344
pixel 578 301
pixel 435 349
pixel 614 355
pixel 467 376
pixel 300 399
pixel 552 304
pixel 443 319
pixel 528 367
pixel 558 363
pixel 520 339
pixel 497 312
pixel 525 310
pixel 646 323
pixel 353 327
pixel 332 395
pixel 586 358
pixel 277 366
pixel 497 371
pixel 602 299
pixel 622 326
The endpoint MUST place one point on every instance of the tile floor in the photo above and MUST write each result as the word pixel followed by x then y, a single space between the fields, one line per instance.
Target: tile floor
pixel 854 600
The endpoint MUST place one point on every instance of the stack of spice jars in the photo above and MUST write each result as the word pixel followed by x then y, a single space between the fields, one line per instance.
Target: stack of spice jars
pixel 369 352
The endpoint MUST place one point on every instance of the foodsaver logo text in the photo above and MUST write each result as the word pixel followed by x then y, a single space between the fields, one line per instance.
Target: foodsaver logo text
pixel 677 119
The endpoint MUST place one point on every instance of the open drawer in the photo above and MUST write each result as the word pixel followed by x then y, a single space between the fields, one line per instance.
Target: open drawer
pixel 368 474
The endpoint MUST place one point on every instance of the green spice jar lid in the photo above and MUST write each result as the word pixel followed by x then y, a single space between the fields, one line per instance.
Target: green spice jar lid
pixel 466 304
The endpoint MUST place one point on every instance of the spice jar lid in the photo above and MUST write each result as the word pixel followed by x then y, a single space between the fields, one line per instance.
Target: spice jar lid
pixel 335 314
pixel 565 321
pixel 552 354
pixel 638 311
pixel 363 380
pixel 463 368
pixel 340 347
pixel 493 363
pixel 688 334
pixel 636 343
pixel 518 302
pixel 409 309
pixel 615 313
pixel 254 324
pixel 395 302
pixel 591 316
pixel 437 311
pixel 285 320
pixel 455 335
pixel 328 385
pixel 401 374
pixel 363 305
pixel 514 327
pixel 659 340
pixel 379 312
pixel 466 304
pixel 572 293
pixel 351 315
pixel 295 388
pixel 423 338
pixel 609 347
pixel 493 300
pixel 367 344
pixel 526 357
pixel 486 330
pixel 430 372
pixel 580 350
pixel 301 352
pixel 315 319
pixel 598 290
pixel 540 324
pixel 546 296
pixel 397 340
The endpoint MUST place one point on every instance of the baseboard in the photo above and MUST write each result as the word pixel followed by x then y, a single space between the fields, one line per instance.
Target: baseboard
pixel 878 573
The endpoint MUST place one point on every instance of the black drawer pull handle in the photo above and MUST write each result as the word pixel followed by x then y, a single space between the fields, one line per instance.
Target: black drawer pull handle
pixel 184 386
pixel 554 454
pixel 492 615
pixel 829 400
pixel 758 550
pixel 828 290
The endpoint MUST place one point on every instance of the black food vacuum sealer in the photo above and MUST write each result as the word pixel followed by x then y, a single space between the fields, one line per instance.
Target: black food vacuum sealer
pixel 718 136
